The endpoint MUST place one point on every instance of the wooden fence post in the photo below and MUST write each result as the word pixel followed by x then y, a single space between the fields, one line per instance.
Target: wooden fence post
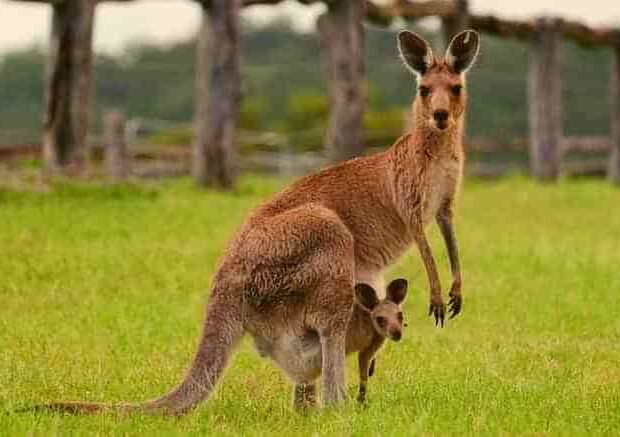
pixel 545 101
pixel 68 85
pixel 614 157
pixel 218 83
pixel 117 163
pixel 451 25
pixel 342 52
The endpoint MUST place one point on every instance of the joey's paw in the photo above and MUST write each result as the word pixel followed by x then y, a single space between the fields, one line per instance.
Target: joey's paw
pixel 437 308
pixel 361 394
pixel 455 304
pixel 361 398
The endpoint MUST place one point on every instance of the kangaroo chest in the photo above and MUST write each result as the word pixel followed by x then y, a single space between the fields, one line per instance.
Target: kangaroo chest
pixel 440 184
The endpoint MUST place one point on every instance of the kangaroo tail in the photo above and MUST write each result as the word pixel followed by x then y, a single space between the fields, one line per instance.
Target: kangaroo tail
pixel 223 328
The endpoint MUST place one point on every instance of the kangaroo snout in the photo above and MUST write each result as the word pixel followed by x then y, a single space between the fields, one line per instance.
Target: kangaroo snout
pixel 441 118
pixel 396 334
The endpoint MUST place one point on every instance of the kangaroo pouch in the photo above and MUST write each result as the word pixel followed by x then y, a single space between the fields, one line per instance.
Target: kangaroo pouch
pixel 299 356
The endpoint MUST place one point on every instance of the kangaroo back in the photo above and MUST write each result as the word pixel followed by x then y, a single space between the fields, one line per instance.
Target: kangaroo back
pixel 223 328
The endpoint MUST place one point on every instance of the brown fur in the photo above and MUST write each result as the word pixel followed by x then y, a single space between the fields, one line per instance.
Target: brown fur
pixel 292 266
pixel 300 357
pixel 366 336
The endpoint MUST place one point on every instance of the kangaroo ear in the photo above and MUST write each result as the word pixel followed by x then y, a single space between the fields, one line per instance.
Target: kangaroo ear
pixel 462 51
pixel 415 52
pixel 366 296
pixel 397 291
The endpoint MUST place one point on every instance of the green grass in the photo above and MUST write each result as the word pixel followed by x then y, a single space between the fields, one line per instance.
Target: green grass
pixel 102 292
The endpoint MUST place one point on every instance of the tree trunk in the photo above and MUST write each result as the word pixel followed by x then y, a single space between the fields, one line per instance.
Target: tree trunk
pixel 218 96
pixel 614 157
pixel 201 96
pixel 545 102
pixel 342 44
pixel 68 86
pixel 116 155
pixel 451 25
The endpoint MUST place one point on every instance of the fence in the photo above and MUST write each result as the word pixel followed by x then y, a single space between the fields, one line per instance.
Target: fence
pixel 133 148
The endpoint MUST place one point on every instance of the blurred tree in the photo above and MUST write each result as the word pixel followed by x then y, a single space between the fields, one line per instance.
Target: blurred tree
pixel 218 83
pixel 150 81
pixel 341 32
pixel 68 91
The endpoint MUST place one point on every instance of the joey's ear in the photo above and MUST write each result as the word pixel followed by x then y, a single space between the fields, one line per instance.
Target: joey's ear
pixel 366 296
pixel 462 51
pixel 415 52
pixel 397 291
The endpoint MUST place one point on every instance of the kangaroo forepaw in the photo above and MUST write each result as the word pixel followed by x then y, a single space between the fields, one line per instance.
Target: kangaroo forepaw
pixel 455 304
pixel 437 308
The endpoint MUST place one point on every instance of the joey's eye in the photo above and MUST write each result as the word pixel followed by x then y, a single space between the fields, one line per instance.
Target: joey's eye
pixel 381 322
pixel 456 90
pixel 424 91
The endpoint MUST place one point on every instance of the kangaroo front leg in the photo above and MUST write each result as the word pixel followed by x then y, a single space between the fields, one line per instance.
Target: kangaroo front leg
pixel 437 306
pixel 366 363
pixel 373 366
pixel 364 367
pixel 444 220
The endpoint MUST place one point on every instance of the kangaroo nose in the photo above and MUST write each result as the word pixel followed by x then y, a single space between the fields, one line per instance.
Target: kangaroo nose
pixel 396 335
pixel 440 115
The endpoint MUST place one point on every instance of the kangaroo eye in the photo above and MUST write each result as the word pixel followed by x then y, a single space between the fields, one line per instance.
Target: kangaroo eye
pixel 456 90
pixel 381 322
pixel 424 91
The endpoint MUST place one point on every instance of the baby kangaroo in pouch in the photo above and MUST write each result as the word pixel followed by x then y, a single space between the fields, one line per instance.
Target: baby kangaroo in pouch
pixel 292 267
pixel 372 322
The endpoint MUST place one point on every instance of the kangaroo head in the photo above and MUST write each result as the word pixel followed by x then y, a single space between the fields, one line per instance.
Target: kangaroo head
pixel 386 314
pixel 441 98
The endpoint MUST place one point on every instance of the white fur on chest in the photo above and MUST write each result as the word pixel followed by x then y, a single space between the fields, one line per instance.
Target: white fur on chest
pixel 441 182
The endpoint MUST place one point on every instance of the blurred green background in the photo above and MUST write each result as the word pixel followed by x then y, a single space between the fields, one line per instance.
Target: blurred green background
pixel 284 90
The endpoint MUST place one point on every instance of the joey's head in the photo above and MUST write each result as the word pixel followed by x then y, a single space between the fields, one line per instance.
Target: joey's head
pixel 441 95
pixel 386 314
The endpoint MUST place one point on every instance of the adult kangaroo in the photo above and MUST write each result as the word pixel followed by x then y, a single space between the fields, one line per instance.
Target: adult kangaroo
pixel 293 264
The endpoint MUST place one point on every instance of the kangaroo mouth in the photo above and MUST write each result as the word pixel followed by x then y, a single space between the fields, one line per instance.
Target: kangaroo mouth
pixel 441 125
pixel 396 336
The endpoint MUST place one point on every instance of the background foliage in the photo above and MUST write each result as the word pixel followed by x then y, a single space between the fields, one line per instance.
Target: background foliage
pixel 284 89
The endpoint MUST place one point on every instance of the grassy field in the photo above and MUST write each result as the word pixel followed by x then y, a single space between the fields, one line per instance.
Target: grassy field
pixel 102 293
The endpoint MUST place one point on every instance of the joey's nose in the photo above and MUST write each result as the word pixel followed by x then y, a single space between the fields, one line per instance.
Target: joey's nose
pixel 440 116
pixel 396 335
